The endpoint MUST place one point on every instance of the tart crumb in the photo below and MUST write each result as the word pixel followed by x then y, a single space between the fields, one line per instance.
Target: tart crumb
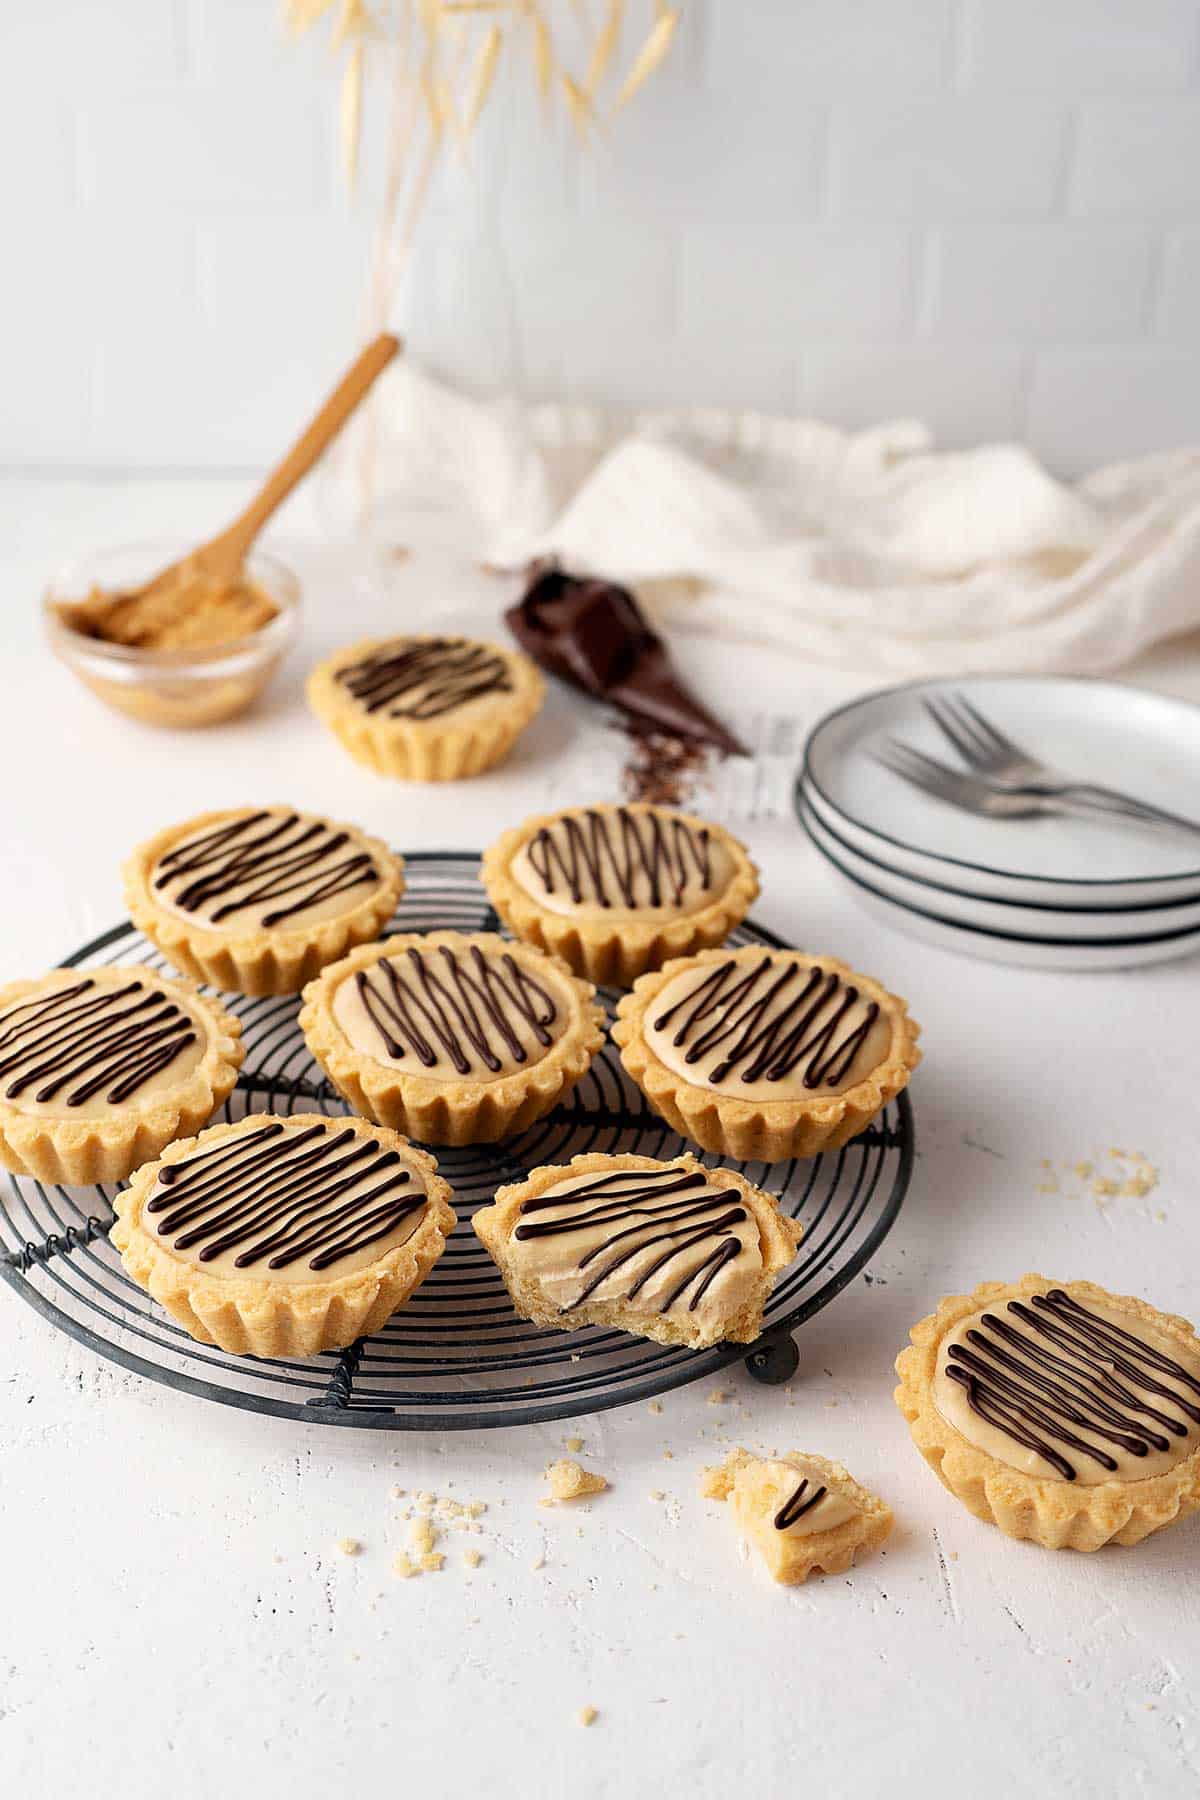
pixel 539 1562
pixel 717 1397
pixel 655 1406
pixel 403 1566
pixel 349 1546
pixel 472 1558
pixel 432 1561
pixel 571 1481
pixel 397 1493
pixel 587 1715
pixel 574 1443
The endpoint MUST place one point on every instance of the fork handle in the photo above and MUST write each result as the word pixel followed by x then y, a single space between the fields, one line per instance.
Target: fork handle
pixel 1092 798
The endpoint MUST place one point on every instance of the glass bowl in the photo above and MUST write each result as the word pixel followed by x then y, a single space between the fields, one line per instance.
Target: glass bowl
pixel 170 687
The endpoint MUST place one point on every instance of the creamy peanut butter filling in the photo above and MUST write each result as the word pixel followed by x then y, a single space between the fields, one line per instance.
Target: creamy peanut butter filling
pixel 1067 1391
pixel 663 1240
pixel 261 870
pixel 188 611
pixel 85 1042
pixel 278 1202
pixel 778 1027
pixel 591 864
pixel 453 1013
pixel 800 1502
pixel 423 678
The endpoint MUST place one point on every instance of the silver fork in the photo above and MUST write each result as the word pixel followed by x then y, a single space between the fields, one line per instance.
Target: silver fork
pixel 1003 764
pixel 970 792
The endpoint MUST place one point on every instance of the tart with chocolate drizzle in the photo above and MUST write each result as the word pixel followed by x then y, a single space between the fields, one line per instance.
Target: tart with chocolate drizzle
pixel 801 1512
pixel 666 1250
pixel 424 707
pixel 257 899
pixel 101 1068
pixel 765 1054
pixel 1058 1411
pixel 617 890
pixel 284 1237
pixel 451 1037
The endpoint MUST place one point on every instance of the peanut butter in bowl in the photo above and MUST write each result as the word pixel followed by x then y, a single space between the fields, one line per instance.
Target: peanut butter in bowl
pixel 193 651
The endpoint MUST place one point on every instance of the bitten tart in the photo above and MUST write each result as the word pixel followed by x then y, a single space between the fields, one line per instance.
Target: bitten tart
pixel 667 1250
pixel 799 1511
pixel 451 1037
pixel 765 1054
pixel 284 1237
pixel 617 890
pixel 101 1068
pixel 1058 1411
pixel 257 899
pixel 426 708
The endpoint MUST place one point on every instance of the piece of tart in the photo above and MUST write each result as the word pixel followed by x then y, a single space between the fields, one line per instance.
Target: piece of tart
pixel 452 1037
pixel 765 1054
pixel 284 1237
pixel 617 890
pixel 101 1068
pixel 667 1250
pixel 256 900
pixel 426 708
pixel 1057 1411
pixel 799 1511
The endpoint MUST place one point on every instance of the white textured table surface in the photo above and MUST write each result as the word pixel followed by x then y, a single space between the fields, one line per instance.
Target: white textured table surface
pixel 176 1617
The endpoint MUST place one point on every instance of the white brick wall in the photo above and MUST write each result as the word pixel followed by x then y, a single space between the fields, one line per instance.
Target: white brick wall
pixel 981 212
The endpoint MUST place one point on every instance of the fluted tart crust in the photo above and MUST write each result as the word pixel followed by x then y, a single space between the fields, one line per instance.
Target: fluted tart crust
pixel 101 1068
pixel 801 1512
pixel 284 1236
pixel 256 900
pixel 671 1251
pixel 617 890
pixel 1071 1418
pixel 765 1054
pixel 424 707
pixel 452 1037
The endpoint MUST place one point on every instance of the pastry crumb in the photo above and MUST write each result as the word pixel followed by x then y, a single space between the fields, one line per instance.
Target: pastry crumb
pixel 539 1562
pixel 397 1493
pixel 432 1561
pixel 717 1397
pixel 403 1566
pixel 422 1536
pixel 571 1481
pixel 472 1558
pixel 587 1715
pixel 657 1494
pixel 349 1546
pixel 574 1443
pixel 655 1406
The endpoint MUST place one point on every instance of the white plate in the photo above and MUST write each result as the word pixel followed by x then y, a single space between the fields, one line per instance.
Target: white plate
pixel 933 919
pixel 1119 736
pixel 880 865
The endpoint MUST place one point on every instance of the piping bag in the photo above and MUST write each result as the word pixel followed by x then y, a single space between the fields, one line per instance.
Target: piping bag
pixel 593 634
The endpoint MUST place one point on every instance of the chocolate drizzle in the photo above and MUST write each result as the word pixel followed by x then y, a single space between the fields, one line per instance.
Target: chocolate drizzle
pixel 764 1032
pixel 425 678
pixel 592 861
pixel 317 1194
pixel 83 1037
pixel 646 1208
pixel 272 856
pixel 1070 1370
pixel 795 1507
pixel 465 1005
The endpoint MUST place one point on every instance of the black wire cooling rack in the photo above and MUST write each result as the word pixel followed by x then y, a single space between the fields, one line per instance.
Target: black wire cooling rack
pixel 456 1356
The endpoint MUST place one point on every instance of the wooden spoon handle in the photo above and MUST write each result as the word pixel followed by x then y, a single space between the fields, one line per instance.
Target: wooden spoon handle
pixel 350 390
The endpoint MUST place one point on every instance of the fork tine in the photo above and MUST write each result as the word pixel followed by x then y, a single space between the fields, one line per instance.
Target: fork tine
pixel 913 764
pixel 998 738
pixel 952 729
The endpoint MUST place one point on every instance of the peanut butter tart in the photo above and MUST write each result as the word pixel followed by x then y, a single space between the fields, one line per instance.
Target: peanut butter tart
pixel 616 890
pixel 801 1512
pixel 667 1250
pixel 258 899
pixel 454 1038
pixel 1058 1411
pixel 284 1237
pixel 101 1068
pixel 758 1053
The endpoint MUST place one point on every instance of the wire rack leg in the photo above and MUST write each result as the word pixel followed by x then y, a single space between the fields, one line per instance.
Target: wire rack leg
pixel 775 1362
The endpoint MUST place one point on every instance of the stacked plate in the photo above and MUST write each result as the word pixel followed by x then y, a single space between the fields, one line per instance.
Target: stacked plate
pixel 1047 892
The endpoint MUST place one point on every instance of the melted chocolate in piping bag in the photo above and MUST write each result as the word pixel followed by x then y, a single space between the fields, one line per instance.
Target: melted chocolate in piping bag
pixel 593 634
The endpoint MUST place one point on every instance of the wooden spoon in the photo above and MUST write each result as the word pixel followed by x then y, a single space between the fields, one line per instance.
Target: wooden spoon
pixel 218 563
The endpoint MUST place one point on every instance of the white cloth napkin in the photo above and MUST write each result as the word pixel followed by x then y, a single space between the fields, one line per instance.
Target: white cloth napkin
pixel 871 549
